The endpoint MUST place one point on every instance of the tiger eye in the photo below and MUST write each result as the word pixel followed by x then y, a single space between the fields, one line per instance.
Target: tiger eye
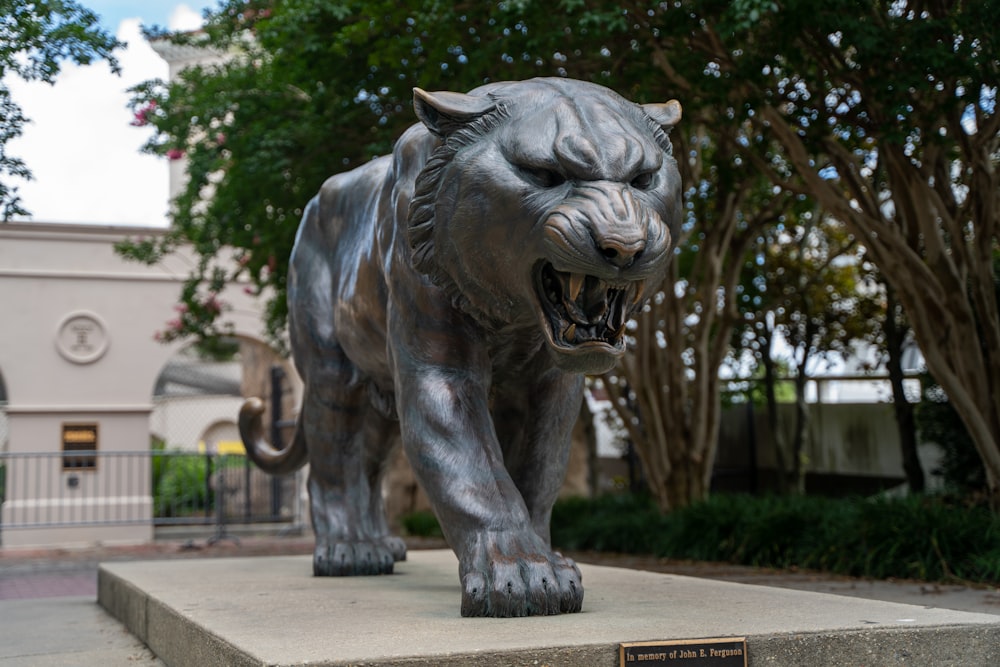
pixel 542 177
pixel 643 181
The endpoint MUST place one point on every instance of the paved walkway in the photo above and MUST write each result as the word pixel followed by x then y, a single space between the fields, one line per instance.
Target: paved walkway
pixel 49 616
pixel 45 573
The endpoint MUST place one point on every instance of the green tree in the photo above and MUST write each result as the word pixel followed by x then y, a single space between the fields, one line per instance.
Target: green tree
pixel 36 38
pixel 320 70
pixel 308 88
pixel 891 338
pixel 666 390
pixel 886 114
pixel 804 283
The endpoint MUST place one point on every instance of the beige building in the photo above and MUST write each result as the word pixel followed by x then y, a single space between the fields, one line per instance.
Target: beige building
pixel 80 368
pixel 79 362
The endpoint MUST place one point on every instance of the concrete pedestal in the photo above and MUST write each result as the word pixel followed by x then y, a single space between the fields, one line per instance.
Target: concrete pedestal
pixel 272 611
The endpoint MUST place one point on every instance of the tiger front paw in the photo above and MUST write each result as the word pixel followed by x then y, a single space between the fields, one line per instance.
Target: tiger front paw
pixel 518 575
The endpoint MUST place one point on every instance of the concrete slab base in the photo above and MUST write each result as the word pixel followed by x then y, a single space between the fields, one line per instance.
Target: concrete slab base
pixel 272 611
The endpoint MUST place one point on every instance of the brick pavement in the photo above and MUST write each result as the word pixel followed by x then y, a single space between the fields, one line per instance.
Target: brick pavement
pixel 33 586
pixel 47 573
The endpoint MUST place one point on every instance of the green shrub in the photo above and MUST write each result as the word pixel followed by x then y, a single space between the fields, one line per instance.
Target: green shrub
pixel 928 538
pixel 181 488
pixel 918 537
pixel 421 524
pixel 619 522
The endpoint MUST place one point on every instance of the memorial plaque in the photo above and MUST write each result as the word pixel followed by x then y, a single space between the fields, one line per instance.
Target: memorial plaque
pixel 718 652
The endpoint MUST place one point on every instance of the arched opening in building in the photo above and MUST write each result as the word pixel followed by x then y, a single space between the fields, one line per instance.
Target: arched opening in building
pixel 201 472
pixel 200 387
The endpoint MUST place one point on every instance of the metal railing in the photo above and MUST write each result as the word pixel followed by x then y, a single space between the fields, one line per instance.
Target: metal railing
pixel 91 488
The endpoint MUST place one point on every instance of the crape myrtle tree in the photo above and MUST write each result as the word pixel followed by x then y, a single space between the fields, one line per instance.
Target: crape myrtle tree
pixel 311 88
pixel 36 38
pixel 666 390
pixel 886 114
pixel 891 341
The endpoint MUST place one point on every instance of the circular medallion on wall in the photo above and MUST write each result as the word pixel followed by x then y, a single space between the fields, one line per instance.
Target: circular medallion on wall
pixel 82 338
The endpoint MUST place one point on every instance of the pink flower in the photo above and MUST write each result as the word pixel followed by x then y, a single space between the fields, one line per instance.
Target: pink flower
pixel 213 304
pixel 220 138
pixel 181 307
pixel 174 324
pixel 140 118
pixel 175 154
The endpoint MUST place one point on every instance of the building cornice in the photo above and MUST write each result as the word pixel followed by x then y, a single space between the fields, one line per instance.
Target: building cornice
pixel 75 231
pixel 180 53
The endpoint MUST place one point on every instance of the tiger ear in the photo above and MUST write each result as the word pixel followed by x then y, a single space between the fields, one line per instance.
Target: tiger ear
pixel 444 112
pixel 666 115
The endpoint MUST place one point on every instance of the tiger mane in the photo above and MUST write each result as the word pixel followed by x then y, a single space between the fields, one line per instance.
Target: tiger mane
pixel 420 217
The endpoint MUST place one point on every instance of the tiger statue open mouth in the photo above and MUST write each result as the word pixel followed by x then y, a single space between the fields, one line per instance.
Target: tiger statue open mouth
pixel 583 311
pixel 451 296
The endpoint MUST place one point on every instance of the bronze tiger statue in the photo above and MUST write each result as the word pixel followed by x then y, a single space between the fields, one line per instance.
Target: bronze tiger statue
pixel 452 296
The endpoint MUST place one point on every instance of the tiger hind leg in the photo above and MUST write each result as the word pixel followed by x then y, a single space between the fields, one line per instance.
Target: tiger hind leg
pixel 343 434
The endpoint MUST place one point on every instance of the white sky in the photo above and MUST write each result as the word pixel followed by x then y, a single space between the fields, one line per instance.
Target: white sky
pixel 79 145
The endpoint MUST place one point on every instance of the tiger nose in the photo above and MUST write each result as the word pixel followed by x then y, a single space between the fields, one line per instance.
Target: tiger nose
pixel 621 252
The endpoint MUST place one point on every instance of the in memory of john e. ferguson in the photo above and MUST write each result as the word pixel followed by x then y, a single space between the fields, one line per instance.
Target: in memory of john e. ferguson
pixel 451 296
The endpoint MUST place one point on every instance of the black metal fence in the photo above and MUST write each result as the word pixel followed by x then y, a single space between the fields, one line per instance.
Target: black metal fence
pixel 81 488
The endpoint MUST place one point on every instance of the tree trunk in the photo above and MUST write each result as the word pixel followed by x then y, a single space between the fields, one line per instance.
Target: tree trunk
pixel 797 474
pixel 936 254
pixel 771 401
pixel 666 389
pixel 673 425
pixel 586 419
pixel 903 409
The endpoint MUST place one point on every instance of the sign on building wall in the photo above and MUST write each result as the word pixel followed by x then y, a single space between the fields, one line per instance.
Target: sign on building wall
pixel 80 438
pixel 82 338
